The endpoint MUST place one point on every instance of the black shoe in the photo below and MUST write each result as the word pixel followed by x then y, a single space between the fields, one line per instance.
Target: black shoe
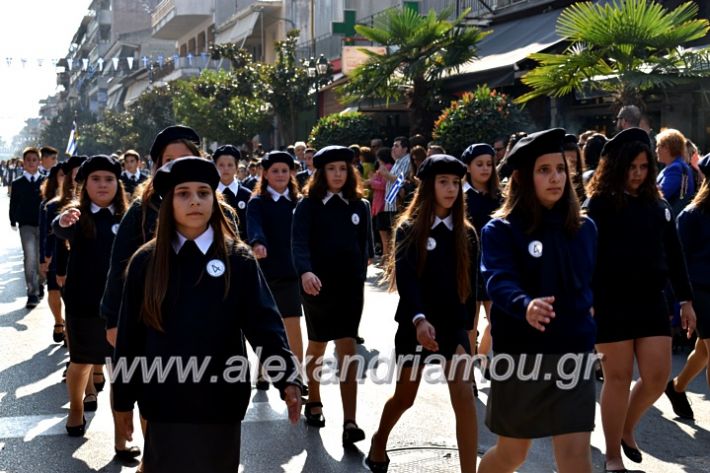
pixel 99 386
pixel 314 420
pixel 58 337
pixel 679 401
pixel 359 340
pixel 352 433
pixel 128 454
pixel 91 406
pixel 633 454
pixel 77 430
pixel 41 292
pixel 376 467
pixel 32 302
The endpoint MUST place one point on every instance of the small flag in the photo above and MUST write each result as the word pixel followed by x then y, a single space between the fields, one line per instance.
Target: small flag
pixel 100 61
pixel 70 62
pixel 73 137
pixel 115 63
pixel 189 59
pixel 84 64
pixel 394 190
pixel 129 60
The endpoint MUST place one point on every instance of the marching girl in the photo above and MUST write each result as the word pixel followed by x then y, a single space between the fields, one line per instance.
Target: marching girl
pixel 694 231
pixel 483 197
pixel 269 219
pixel 639 252
pixel 89 226
pixel 332 243
pixel 50 190
pixel 538 257
pixel 194 291
pixel 237 196
pixel 433 267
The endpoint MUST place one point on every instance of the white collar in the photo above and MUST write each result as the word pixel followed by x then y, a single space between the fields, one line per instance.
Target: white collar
pixel 329 194
pixel 467 186
pixel 36 175
pixel 448 222
pixel 233 186
pixel 275 195
pixel 95 208
pixel 137 175
pixel 310 171
pixel 203 241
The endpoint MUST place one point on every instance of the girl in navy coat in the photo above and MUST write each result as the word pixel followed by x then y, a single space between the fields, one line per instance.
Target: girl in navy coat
pixel 269 219
pixel 195 292
pixel 434 270
pixel 639 254
pixel 89 227
pixel 538 259
pixel 332 243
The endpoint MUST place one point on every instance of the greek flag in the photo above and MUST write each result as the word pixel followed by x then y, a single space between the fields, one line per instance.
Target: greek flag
pixel 394 190
pixel 73 137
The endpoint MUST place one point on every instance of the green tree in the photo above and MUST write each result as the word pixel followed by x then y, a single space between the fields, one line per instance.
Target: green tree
pixel 114 132
pixel 478 117
pixel 422 49
pixel 56 133
pixel 342 129
pixel 624 48
pixel 151 112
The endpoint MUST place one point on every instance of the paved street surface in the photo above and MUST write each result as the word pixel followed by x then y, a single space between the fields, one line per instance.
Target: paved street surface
pixel 33 407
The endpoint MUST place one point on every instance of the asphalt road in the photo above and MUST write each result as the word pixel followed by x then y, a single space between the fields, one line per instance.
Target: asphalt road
pixel 33 407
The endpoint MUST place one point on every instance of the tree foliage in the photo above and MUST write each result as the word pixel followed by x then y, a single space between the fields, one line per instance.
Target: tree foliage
pixel 624 48
pixel 343 129
pixel 56 133
pixel 478 117
pixel 422 49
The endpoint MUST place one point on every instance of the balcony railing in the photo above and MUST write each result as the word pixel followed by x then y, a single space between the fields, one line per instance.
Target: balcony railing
pixel 172 18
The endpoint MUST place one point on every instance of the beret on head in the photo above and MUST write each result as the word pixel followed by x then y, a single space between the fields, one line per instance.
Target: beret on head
pixel 570 142
pixel 628 135
pixel 440 164
pixel 331 154
pixel 229 150
pixel 167 136
pixel 100 162
pixel 274 157
pixel 189 169
pixel 704 165
pixel 531 147
pixel 476 150
pixel 74 162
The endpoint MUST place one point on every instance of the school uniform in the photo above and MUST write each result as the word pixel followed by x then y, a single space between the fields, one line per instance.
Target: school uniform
pixel 250 182
pixel 639 253
pixel 434 292
pixel 132 181
pixel 302 177
pixel 479 207
pixel 48 242
pixel 86 277
pixel 332 238
pixel 237 196
pixel 694 231
pixel 25 199
pixel 269 220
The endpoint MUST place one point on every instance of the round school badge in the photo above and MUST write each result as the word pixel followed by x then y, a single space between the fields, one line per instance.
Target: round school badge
pixel 215 268
pixel 114 228
pixel 241 205
pixel 430 244
pixel 668 215
pixel 535 249
pixel 355 218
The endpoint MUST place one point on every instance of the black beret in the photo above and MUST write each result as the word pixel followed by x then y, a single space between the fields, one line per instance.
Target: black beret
pixel 476 150
pixel 189 169
pixel 100 162
pixel 274 157
pixel 570 141
pixel 440 164
pixel 167 136
pixel 74 162
pixel 332 153
pixel 704 165
pixel 531 147
pixel 628 135
pixel 229 150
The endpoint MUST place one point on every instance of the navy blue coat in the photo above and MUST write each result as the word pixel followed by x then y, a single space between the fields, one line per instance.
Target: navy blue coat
pixel 694 231
pixel 269 223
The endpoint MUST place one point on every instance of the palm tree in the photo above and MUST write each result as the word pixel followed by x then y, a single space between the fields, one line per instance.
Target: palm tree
pixel 422 49
pixel 623 48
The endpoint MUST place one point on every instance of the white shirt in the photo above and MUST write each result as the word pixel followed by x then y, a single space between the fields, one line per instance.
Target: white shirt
pixel 27 175
pixel 466 186
pixel 203 241
pixel 135 176
pixel 233 186
pixel 95 208
pixel 329 194
pixel 276 196
pixel 448 221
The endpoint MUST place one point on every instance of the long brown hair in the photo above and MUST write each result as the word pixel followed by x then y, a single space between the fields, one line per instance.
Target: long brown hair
pixel 68 191
pixel 420 215
pixel 50 186
pixel 86 224
pixel 263 183
pixel 522 200
pixel 317 186
pixel 701 201
pixel 611 175
pixel 158 269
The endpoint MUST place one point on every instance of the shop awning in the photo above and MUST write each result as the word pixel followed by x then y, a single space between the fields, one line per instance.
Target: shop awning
pixel 240 31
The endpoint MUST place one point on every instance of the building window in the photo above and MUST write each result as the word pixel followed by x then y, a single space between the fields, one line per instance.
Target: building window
pixel 191 46
pixel 183 50
pixel 201 43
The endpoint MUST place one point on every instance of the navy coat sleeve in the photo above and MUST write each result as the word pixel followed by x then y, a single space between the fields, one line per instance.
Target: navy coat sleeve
pixel 301 235
pixel 61 232
pixel 677 267
pixel 499 269
pixel 43 224
pixel 255 228
pixel 369 235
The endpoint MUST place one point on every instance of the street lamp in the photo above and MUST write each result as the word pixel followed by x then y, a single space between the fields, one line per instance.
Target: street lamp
pixel 319 72
pixel 322 65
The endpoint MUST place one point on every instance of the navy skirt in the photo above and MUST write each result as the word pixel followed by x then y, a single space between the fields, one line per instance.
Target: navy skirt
pixel 336 311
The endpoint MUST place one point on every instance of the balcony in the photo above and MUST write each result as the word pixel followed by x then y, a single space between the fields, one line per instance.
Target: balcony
pixel 171 19
pixel 183 68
